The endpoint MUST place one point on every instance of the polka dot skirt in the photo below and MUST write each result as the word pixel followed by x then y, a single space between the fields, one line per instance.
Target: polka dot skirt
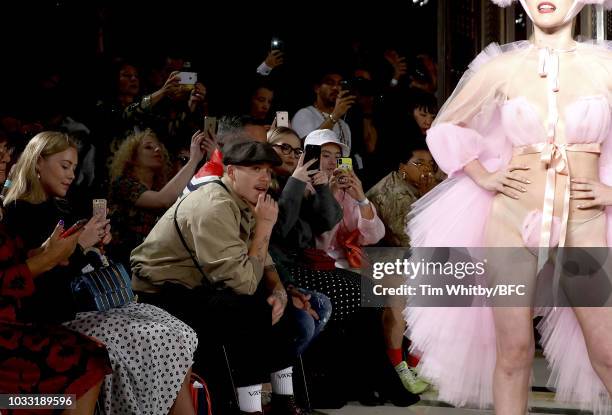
pixel 341 286
pixel 150 352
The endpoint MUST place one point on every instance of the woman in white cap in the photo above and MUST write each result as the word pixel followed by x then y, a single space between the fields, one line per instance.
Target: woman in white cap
pixel 526 140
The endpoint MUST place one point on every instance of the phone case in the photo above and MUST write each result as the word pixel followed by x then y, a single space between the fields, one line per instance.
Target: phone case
pixel 99 207
pixel 312 152
pixel 188 78
pixel 282 119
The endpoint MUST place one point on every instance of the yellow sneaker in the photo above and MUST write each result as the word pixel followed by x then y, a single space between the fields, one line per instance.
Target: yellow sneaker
pixel 410 379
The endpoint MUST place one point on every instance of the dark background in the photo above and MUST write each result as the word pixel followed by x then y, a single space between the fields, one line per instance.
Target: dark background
pixel 225 40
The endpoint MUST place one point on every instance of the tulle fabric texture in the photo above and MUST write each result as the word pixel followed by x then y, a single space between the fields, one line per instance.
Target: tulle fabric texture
pixel 457 345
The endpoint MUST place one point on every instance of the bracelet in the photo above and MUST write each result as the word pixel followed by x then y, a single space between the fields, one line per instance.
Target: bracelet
pixel 332 119
pixel 363 202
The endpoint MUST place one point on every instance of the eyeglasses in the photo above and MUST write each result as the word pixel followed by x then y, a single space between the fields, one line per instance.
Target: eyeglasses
pixel 286 149
pixel 420 163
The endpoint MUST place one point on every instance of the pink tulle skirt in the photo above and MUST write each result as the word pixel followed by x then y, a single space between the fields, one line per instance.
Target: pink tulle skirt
pixel 457 345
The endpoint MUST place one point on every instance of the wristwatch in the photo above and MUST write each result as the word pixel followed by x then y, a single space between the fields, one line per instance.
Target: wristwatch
pixel 363 202
pixel 332 119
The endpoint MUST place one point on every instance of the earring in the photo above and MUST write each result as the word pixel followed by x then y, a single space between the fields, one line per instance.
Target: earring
pixel 403 175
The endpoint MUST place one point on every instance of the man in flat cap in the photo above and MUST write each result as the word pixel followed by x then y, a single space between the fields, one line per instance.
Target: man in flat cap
pixel 206 261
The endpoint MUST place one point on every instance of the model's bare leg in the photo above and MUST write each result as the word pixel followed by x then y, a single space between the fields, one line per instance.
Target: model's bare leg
pixel 515 351
pixel 596 324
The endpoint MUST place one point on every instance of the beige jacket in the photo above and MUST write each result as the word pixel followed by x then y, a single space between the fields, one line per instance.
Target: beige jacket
pixel 218 226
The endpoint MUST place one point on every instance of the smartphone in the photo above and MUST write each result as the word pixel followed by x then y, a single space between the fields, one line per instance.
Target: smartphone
pixel 277 44
pixel 188 78
pixel 210 125
pixel 99 207
pixel 344 163
pixel 282 119
pixel 347 85
pixel 313 151
pixel 74 228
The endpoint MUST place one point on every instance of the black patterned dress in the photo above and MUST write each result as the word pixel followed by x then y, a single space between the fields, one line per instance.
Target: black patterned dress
pixel 39 358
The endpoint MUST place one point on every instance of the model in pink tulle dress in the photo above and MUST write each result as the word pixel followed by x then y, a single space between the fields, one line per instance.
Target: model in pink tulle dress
pixel 533 125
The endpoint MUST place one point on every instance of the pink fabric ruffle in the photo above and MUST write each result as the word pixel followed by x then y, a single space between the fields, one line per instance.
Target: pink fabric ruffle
pixel 572 375
pixel 453 146
pixel 530 231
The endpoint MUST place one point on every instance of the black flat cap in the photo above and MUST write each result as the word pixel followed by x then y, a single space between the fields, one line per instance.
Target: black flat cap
pixel 248 153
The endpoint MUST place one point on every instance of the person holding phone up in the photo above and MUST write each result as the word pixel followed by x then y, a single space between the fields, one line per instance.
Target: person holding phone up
pixel 330 106
pixel 142 189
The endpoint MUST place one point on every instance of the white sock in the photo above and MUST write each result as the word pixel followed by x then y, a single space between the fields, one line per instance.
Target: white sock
pixel 249 398
pixel 282 381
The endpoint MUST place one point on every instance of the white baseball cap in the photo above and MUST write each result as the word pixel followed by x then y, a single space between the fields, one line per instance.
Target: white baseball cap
pixel 320 137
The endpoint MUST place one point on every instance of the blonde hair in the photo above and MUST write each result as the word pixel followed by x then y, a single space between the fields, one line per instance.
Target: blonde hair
pixel 25 183
pixel 125 159
pixel 277 133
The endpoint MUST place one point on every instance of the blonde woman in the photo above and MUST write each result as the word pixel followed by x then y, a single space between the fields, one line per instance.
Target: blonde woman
pixel 135 335
pixel 140 190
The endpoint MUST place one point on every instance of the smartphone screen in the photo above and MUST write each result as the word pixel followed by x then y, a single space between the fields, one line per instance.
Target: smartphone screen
pixel 313 151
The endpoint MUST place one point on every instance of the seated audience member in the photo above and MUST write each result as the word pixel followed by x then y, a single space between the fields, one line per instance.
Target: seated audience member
pixel 308 209
pixel 172 112
pixel 394 195
pixel 330 106
pixel 360 224
pixel 141 189
pixel 6 152
pixel 109 123
pixel 211 268
pixel 260 102
pixel 135 335
pixel 37 357
pixel 232 129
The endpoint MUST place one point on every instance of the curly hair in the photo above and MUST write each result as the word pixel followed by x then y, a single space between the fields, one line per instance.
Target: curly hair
pixel 125 159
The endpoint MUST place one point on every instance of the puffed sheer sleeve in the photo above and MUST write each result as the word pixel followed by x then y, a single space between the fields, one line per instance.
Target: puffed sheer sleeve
pixel 471 115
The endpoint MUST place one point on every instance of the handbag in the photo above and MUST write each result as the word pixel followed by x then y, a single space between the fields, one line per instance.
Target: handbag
pixel 102 289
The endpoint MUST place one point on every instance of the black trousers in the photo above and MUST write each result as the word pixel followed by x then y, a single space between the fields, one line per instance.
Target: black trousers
pixel 241 323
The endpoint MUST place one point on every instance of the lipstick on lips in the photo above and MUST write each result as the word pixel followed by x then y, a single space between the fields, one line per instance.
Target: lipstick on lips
pixel 546 7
